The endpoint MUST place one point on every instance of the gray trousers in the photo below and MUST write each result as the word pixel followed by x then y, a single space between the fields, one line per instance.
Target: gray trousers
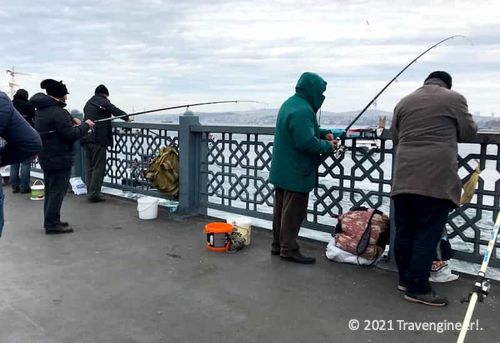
pixel 290 210
pixel 95 168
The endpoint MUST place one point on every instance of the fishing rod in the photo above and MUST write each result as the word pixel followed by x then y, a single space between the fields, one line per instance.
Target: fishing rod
pixel 160 109
pixel 172 108
pixel 341 148
pixel 482 285
pixel 397 75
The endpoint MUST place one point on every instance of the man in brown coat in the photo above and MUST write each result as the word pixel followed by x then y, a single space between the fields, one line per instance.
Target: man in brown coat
pixel 426 127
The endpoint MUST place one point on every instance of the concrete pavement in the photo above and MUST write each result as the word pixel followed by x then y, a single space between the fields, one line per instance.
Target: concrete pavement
pixel 120 279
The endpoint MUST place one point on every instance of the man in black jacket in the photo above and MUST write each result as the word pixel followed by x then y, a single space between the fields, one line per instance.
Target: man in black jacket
pixel 19 140
pixel 58 131
pixel 22 183
pixel 98 107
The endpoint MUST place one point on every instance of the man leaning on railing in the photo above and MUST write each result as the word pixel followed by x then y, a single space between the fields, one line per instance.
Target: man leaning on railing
pixel 426 127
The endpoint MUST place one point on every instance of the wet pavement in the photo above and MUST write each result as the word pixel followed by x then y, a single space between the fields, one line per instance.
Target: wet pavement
pixel 121 279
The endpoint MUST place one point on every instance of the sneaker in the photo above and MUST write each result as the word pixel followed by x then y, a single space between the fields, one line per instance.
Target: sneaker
pixel 402 287
pixel 15 190
pixel 431 299
pixel 59 229
pixel 26 190
pixel 64 224
pixel 298 258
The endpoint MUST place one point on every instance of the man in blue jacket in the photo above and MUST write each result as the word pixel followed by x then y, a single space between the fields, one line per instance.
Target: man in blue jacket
pixel 19 140
pixel 298 146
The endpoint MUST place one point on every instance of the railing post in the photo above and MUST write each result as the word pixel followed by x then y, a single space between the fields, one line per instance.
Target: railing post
pixel 190 157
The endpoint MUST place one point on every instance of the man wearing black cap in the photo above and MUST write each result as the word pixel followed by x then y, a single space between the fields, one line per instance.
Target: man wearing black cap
pixel 21 183
pixel 426 127
pixel 58 131
pixel 97 108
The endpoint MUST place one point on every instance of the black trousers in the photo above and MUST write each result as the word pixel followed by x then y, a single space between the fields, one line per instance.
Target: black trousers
pixel 290 210
pixel 419 226
pixel 56 185
pixel 95 157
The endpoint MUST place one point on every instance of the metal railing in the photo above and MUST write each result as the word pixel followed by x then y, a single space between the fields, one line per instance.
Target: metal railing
pixel 234 179
pixel 226 168
pixel 133 146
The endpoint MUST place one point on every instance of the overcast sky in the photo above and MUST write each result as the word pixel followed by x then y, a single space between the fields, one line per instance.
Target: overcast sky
pixel 158 53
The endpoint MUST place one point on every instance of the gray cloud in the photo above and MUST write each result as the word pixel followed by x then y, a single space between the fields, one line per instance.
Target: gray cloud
pixel 157 53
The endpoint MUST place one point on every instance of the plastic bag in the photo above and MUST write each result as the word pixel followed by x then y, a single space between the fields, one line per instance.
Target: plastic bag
pixel 78 186
pixel 338 255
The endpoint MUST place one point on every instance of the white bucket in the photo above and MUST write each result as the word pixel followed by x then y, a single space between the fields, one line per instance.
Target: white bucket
pixel 243 226
pixel 147 207
pixel 37 190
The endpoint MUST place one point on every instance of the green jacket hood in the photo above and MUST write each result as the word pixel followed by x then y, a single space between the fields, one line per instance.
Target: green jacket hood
pixel 311 87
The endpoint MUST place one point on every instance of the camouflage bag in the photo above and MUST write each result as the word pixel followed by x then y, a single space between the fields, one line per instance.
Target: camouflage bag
pixel 362 232
pixel 163 171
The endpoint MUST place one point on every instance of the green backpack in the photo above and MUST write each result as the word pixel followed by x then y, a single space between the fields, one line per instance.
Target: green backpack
pixel 163 171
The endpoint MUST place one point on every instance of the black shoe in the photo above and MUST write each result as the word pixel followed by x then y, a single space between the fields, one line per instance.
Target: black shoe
pixel 26 190
pixel 299 258
pixel 275 249
pixel 96 199
pixel 59 229
pixel 431 299
pixel 15 190
pixel 64 224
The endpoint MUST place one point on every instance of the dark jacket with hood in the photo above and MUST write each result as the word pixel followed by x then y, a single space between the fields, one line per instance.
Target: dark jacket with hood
pixel 58 133
pixel 24 107
pixel 298 142
pixel 99 107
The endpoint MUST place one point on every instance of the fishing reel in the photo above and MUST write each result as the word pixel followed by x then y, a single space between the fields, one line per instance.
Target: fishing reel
pixel 481 288
pixel 339 151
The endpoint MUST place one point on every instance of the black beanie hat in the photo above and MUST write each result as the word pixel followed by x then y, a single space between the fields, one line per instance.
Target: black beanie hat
pixel 101 89
pixel 442 75
pixel 21 94
pixel 54 88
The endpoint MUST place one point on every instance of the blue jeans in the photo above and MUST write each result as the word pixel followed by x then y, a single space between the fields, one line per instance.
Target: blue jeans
pixel 22 182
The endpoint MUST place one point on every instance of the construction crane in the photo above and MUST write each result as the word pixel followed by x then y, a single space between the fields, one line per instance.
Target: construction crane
pixel 12 82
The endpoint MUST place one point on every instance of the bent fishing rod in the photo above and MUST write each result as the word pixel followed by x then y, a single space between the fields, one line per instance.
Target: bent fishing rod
pixel 397 75
pixel 342 148
pixel 187 106
pixel 482 285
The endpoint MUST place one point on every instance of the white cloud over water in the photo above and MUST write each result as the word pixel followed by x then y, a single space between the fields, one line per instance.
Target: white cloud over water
pixel 158 53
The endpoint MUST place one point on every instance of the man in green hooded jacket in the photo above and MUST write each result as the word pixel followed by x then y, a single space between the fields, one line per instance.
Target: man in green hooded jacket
pixel 298 146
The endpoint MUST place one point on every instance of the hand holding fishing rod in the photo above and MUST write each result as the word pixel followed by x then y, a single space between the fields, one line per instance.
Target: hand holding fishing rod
pixel 78 122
